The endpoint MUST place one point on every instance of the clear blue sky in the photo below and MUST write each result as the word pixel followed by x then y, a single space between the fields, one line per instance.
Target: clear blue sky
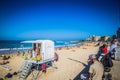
pixel 58 19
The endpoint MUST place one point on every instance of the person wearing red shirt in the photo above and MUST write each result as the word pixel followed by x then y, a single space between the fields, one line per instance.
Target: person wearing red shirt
pixel 105 49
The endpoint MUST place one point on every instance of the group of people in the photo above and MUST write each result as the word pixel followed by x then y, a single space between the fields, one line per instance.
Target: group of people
pixel 111 51
pixel 35 55
pixel 97 69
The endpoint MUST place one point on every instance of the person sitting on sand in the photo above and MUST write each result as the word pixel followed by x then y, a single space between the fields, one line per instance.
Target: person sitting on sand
pixel 6 57
pixel 96 70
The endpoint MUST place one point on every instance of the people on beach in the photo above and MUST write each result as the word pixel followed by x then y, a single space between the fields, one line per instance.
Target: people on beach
pixel 6 57
pixel 96 70
pixel 18 53
pixel 32 54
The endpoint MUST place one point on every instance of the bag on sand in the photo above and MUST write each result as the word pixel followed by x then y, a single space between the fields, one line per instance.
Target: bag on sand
pixel 8 75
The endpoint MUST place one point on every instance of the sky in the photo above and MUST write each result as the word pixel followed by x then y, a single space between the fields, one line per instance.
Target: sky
pixel 58 19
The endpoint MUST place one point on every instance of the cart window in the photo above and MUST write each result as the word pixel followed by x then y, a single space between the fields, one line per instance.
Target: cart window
pixel 39 45
pixel 34 46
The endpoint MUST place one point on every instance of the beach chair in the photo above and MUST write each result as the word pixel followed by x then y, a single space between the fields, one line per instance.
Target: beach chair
pixel 6 67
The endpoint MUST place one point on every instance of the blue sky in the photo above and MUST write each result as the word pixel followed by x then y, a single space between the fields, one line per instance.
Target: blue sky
pixel 58 19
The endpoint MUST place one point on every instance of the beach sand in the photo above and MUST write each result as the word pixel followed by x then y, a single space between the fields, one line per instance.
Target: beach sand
pixel 70 64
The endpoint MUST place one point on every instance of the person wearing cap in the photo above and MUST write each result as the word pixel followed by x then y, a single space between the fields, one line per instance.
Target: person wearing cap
pixel 96 70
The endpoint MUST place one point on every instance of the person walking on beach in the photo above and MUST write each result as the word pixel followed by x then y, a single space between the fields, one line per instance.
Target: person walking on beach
pixel 96 70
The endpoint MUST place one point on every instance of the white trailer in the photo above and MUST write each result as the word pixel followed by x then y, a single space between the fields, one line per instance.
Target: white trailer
pixel 47 53
pixel 46 49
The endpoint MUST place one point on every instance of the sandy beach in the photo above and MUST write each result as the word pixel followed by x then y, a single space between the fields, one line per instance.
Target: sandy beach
pixel 70 64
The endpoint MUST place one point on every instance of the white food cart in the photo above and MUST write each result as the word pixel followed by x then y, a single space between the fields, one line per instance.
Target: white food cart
pixel 47 55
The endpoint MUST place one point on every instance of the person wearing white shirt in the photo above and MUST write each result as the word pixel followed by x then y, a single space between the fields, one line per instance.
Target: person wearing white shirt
pixel 113 46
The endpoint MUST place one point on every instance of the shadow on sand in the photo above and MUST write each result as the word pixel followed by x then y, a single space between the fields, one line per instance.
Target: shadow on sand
pixel 84 71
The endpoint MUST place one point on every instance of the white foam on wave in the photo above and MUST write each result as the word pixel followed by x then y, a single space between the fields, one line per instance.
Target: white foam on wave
pixel 7 49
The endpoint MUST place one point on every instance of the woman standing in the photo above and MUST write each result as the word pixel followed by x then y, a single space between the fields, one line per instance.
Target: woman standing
pixel 113 46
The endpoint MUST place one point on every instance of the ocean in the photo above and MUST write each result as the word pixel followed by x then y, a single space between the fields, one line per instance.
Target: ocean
pixel 12 46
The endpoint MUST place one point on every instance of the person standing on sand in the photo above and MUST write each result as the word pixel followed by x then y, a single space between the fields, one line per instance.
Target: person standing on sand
pixel 96 70
pixel 113 46
pixel 105 49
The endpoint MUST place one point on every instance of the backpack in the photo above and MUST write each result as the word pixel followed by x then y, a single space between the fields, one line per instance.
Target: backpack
pixel 8 75
pixel 106 61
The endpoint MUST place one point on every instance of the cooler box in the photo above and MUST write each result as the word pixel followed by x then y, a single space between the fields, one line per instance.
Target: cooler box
pixel 117 53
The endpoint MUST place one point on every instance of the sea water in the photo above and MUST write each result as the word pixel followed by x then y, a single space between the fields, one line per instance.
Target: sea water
pixel 12 46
